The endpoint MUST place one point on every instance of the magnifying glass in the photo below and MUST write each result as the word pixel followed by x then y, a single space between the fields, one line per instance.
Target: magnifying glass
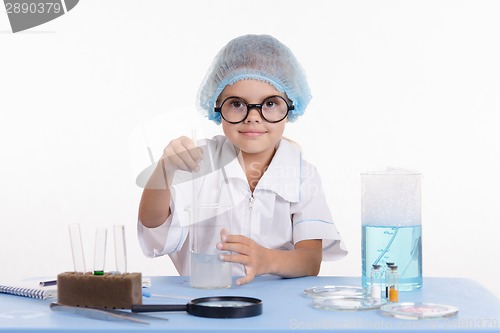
pixel 210 307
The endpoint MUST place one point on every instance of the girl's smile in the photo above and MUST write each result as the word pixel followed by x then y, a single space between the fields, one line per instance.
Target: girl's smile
pixel 252 133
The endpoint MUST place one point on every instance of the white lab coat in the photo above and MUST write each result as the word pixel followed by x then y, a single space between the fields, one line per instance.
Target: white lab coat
pixel 288 206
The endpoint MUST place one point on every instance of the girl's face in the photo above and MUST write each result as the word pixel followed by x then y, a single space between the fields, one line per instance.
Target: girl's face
pixel 254 135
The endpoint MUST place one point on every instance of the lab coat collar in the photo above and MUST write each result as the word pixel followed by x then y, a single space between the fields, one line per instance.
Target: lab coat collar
pixel 282 176
pixel 233 169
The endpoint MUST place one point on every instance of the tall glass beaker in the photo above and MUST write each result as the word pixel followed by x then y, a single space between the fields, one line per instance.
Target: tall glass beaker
pixel 391 224
pixel 207 220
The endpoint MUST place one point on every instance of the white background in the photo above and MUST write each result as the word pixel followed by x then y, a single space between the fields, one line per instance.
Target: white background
pixel 411 84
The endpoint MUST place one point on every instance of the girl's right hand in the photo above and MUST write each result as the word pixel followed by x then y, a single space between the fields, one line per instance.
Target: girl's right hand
pixel 182 154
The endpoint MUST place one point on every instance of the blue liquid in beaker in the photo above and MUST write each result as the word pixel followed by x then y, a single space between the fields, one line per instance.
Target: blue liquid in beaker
pixel 401 245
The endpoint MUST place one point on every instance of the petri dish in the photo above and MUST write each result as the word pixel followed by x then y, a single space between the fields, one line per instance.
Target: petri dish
pixel 418 310
pixel 348 303
pixel 334 291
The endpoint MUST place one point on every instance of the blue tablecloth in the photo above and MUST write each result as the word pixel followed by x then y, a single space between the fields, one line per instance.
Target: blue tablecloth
pixel 285 309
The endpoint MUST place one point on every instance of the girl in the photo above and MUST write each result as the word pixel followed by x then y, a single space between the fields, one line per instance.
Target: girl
pixel 254 87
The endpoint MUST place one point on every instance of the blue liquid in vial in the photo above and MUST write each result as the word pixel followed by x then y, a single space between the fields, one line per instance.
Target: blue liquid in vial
pixel 401 245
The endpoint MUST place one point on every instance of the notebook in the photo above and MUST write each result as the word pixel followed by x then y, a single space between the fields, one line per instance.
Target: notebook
pixel 29 289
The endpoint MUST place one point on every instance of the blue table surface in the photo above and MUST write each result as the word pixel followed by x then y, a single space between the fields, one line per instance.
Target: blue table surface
pixel 285 308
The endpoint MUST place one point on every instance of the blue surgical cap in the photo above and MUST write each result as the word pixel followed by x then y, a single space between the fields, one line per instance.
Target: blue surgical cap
pixel 257 57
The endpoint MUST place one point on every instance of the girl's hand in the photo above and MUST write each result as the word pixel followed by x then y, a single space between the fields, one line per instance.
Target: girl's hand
pixel 252 256
pixel 181 154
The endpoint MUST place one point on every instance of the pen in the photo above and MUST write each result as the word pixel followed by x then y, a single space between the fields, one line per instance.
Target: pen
pixel 48 283
pixel 149 294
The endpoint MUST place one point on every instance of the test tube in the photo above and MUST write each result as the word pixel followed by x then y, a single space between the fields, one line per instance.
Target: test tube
pixel 100 250
pixel 195 183
pixel 77 248
pixel 120 249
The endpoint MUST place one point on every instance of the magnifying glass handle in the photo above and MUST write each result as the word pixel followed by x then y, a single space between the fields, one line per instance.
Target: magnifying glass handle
pixel 158 307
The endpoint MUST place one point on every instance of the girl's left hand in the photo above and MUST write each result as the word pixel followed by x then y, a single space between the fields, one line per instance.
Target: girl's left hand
pixel 251 255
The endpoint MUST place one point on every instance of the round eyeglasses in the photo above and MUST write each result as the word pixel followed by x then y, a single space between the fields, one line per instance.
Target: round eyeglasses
pixel 235 110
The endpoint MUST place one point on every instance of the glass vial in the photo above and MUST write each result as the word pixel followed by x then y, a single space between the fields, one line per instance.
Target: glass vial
pixel 376 281
pixel 393 284
pixel 385 275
